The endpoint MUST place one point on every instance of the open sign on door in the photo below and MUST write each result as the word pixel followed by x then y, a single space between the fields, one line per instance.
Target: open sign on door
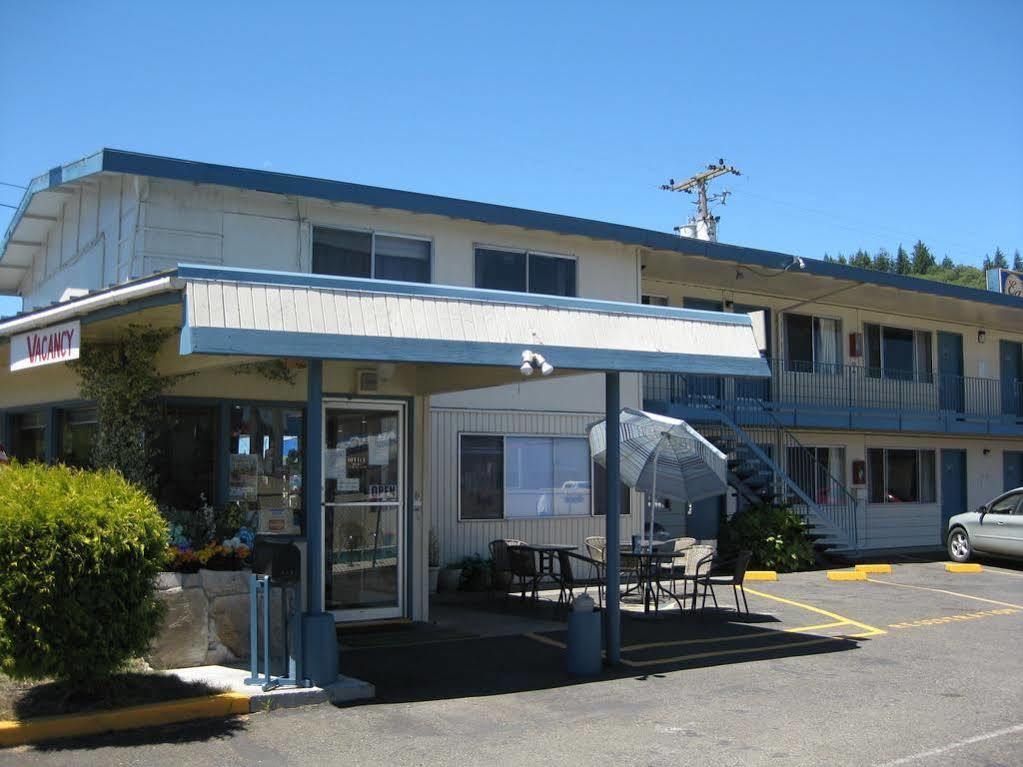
pixel 383 492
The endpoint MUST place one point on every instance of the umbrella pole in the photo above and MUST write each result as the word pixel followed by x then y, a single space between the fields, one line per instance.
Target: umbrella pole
pixel 653 500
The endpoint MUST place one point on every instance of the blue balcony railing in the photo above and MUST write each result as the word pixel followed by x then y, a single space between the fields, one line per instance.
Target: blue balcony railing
pixel 847 388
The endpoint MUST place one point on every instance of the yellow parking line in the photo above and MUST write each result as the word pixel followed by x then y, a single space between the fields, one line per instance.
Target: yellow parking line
pixel 546 640
pixel 943 591
pixel 942 620
pixel 818 626
pixel 737 651
pixel 867 629
pixel 1003 572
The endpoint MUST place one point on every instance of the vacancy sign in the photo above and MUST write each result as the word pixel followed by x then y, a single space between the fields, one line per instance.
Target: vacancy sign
pixel 46 346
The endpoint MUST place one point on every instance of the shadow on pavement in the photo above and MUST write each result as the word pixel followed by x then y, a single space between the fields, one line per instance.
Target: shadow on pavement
pixel 456 667
pixel 199 731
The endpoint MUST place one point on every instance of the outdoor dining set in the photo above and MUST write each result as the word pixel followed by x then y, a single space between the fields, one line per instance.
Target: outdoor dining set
pixel 679 570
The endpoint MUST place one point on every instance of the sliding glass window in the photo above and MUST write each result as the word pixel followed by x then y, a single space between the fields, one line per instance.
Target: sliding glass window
pixel 812 344
pixel 525 272
pixel 349 253
pixel 899 354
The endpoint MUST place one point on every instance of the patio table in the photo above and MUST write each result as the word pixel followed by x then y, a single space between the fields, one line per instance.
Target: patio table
pixel 547 554
pixel 649 574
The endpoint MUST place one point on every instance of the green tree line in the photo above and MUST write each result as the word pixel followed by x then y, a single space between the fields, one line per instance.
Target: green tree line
pixel 920 262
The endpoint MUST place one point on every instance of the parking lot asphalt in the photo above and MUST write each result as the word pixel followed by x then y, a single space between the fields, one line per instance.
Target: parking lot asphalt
pixel 916 667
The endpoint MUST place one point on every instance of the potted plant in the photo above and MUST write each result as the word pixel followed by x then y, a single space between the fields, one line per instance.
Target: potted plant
pixel 448 578
pixel 434 562
pixel 475 574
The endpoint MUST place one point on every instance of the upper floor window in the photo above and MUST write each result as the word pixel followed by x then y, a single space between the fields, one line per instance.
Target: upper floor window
pixel 812 344
pixel 650 300
pixel 525 272
pixel 898 353
pixel 349 253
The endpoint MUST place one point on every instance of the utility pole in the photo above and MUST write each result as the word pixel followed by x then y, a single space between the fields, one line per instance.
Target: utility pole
pixel 703 226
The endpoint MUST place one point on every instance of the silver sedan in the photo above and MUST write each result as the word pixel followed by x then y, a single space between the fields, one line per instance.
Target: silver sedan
pixel 995 528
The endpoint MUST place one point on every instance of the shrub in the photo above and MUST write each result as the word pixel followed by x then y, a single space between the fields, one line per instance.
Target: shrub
pixel 775 534
pixel 79 553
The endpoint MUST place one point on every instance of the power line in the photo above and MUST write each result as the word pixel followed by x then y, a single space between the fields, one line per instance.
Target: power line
pixel 16 186
pixel 5 205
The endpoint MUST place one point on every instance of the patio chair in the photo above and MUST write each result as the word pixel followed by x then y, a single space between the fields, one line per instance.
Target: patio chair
pixel 676 565
pixel 522 565
pixel 501 563
pixel 569 581
pixel 629 565
pixel 697 564
pixel 735 580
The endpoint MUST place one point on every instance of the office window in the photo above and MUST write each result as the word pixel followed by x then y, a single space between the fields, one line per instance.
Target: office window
pixel 600 492
pixel 655 300
pixel 819 471
pixel 28 436
pixel 482 476
pixel 528 477
pixel 186 469
pixel 266 457
pixel 347 253
pixel 77 436
pixel 812 344
pixel 901 476
pixel 525 272
pixel 898 353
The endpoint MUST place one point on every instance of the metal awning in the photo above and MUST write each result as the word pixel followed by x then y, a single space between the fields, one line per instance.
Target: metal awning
pixel 279 314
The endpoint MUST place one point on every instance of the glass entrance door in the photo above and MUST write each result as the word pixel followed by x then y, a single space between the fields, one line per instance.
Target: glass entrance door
pixel 364 519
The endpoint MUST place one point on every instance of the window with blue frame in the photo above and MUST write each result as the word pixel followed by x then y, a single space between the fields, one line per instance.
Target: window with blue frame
pixel 28 436
pixel 78 429
pixel 187 465
pixel 525 272
pixel 265 471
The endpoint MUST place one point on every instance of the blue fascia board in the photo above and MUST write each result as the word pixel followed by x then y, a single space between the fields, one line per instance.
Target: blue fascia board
pixel 431 290
pixel 119 161
pixel 326 346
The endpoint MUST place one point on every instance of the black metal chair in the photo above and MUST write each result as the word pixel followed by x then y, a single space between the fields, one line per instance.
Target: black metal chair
pixel 522 565
pixel 735 580
pixel 502 577
pixel 569 582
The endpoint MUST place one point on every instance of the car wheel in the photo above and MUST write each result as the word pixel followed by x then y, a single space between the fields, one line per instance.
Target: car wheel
pixel 959 545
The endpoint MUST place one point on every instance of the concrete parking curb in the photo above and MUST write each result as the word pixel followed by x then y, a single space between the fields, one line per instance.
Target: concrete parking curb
pixel 761 575
pixel 17 733
pixel 963 567
pixel 847 575
pixel 874 569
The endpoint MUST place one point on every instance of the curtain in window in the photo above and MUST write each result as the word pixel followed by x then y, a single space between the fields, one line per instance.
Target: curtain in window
pixel 342 253
pixel 402 258
pixel 924 371
pixel 825 340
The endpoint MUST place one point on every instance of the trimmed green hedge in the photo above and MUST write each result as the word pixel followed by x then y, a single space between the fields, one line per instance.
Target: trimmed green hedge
pixel 79 554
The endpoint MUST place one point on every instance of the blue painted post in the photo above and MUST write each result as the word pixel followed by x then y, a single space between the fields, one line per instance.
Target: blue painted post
pixel 612 521
pixel 319 640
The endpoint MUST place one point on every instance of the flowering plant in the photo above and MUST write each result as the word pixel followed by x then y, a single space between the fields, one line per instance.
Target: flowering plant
pixel 226 555
pixel 182 559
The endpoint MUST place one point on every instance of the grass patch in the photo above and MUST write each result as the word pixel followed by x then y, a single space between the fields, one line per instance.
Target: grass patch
pixel 26 700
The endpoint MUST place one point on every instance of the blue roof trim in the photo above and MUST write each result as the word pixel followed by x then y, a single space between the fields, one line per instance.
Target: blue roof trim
pixel 330 282
pixel 119 161
pixel 327 346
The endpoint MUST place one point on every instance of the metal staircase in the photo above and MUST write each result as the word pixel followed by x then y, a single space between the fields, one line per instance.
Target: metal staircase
pixel 759 453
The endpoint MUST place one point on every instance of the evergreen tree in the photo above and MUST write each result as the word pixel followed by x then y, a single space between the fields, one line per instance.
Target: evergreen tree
pixel 923 261
pixel 1017 261
pixel 841 257
pixel 987 262
pixel 828 259
pixel 883 261
pixel 862 259
pixel 947 262
pixel 999 261
pixel 902 264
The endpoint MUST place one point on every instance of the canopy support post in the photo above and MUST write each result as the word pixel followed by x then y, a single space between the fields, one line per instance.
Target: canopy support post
pixel 612 520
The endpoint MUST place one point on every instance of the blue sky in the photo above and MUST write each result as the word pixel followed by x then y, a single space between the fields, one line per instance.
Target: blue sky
pixel 857 124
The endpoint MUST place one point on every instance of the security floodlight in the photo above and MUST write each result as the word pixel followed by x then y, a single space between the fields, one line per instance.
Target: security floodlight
pixel 526 369
pixel 532 361
pixel 546 368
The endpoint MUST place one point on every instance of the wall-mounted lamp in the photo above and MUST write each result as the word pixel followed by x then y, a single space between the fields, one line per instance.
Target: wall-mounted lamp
pixel 987 451
pixel 981 336
pixel 531 362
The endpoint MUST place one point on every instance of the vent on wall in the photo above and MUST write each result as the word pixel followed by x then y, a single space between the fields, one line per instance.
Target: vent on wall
pixel 367 382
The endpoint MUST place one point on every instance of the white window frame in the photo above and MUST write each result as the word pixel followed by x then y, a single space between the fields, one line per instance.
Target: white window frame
pixel 527 252
pixel 661 296
pixel 504 489
pixel 373 233
pixel 817 446
pixel 919 475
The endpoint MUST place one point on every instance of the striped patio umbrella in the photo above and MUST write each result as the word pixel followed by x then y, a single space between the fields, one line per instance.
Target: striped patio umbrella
pixel 664 457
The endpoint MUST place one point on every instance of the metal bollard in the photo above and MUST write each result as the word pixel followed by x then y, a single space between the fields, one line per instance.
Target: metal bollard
pixel 583 656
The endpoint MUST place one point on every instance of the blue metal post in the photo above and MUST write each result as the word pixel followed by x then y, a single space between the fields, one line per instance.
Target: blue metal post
pixel 612 521
pixel 319 640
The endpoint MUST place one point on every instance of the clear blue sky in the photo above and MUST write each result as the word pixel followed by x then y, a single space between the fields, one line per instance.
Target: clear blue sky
pixel 857 124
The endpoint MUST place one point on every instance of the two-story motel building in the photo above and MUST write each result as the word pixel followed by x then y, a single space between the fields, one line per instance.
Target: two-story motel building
pixel 891 402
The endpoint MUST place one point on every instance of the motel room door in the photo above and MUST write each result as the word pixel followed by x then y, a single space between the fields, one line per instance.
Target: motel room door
pixel 953 486
pixel 365 523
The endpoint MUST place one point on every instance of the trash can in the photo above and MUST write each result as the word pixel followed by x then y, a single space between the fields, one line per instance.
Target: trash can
pixel 583 656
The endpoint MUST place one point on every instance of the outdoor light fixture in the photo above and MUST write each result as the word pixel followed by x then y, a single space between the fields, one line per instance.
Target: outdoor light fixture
pixel 532 361
pixel 981 336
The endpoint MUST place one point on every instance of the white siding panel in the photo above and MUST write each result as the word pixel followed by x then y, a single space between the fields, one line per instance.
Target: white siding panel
pixel 458 539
